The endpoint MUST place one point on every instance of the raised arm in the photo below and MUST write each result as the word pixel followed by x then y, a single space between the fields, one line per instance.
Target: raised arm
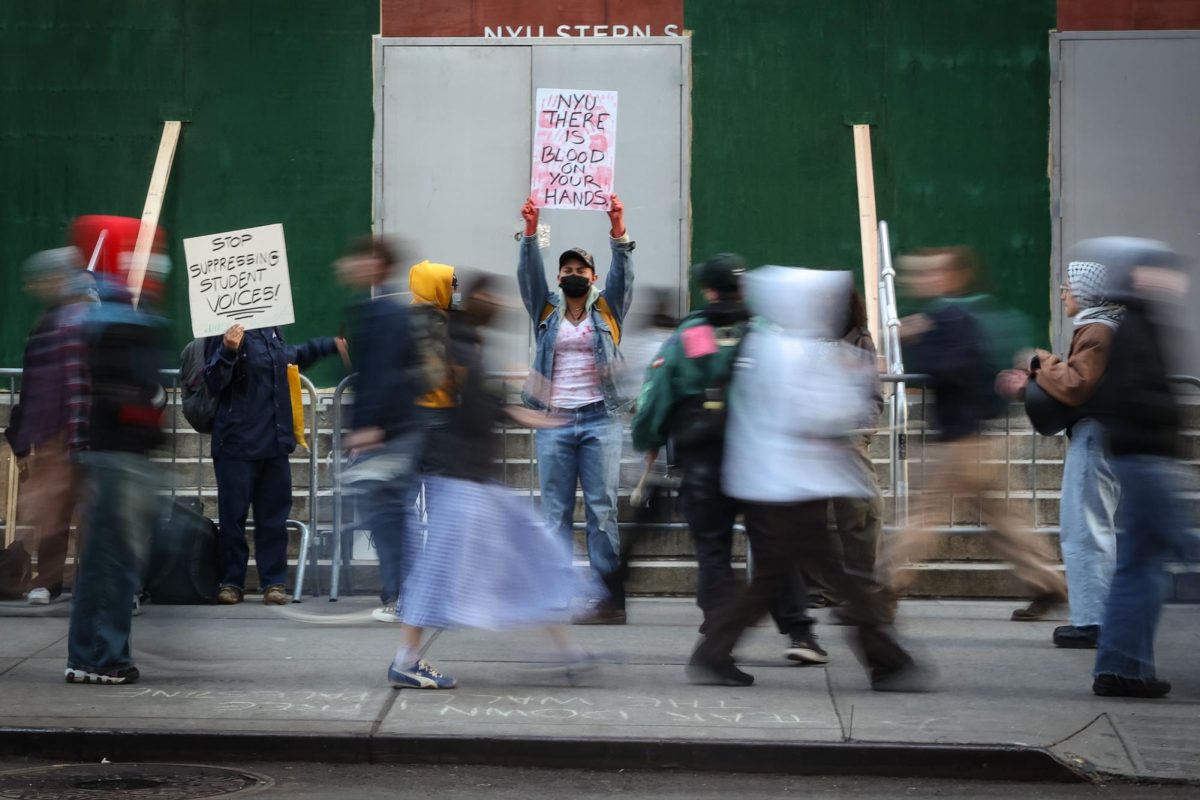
pixel 618 287
pixel 531 272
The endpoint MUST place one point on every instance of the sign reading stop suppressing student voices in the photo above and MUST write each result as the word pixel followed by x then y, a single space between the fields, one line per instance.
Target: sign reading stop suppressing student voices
pixel 238 276
pixel 574 148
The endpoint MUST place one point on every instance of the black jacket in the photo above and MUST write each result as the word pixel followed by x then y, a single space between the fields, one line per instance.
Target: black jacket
pixel 1136 403
pixel 254 409
pixel 385 359
pixel 953 356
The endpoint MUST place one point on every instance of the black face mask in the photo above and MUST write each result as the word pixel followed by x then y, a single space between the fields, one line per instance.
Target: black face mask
pixel 575 285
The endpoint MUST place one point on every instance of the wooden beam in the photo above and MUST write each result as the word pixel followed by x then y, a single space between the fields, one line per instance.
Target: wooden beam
pixel 868 227
pixel 153 207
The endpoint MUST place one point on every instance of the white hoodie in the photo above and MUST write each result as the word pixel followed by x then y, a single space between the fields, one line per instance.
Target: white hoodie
pixel 798 392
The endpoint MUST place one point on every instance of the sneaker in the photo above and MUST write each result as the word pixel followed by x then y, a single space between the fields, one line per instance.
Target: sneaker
pixel 229 596
pixel 38 597
pixel 421 675
pixel 275 595
pixel 117 676
pixel 804 649
pixel 137 606
pixel 1085 637
pixel 707 673
pixel 388 613
pixel 1110 685
pixel 1038 608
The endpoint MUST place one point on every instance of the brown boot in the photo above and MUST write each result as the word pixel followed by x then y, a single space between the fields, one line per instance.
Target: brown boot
pixel 275 595
pixel 229 596
pixel 1038 608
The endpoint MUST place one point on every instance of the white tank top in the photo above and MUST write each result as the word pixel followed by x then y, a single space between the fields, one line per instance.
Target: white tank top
pixel 575 382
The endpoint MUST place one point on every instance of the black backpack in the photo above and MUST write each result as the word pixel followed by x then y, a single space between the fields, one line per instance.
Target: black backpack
pixel 184 561
pixel 699 421
pixel 199 405
pixel 16 571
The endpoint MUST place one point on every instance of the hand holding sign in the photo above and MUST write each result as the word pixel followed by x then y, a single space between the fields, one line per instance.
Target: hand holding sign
pixel 233 337
pixel 574 148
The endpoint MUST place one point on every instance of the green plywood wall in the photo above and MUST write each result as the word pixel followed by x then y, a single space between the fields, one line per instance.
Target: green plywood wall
pixel 959 90
pixel 278 98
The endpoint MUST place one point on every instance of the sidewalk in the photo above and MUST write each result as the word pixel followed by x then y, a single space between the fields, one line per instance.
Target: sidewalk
pixel 248 682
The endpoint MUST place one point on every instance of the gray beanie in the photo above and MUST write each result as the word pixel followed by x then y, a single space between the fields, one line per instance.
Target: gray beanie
pixel 52 263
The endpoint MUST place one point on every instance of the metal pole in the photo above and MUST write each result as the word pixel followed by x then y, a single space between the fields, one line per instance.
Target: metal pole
pixel 336 448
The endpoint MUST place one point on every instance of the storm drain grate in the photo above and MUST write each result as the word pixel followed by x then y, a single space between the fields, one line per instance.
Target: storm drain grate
pixel 110 781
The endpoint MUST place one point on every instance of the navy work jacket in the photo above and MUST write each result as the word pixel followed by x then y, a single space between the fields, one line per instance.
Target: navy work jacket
pixel 254 409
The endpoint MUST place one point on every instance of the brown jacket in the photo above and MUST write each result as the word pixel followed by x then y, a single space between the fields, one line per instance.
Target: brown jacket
pixel 1073 381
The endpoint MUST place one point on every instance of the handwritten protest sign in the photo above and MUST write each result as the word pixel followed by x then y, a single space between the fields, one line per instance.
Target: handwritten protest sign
pixel 574 148
pixel 239 276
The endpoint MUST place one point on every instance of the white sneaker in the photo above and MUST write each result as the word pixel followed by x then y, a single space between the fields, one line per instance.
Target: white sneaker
pixel 387 614
pixel 38 597
pixel 137 606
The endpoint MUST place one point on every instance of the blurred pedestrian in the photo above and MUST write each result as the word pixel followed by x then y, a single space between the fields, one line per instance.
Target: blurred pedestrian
pixel 385 436
pixel 576 373
pixel 954 340
pixel 799 392
pixel 1141 415
pixel 483 560
pixel 684 402
pixel 252 437
pixel 857 521
pixel 1090 492
pixel 46 429
pixel 124 419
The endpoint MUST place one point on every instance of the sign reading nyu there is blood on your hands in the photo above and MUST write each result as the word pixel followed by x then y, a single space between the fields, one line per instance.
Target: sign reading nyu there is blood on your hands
pixel 574 148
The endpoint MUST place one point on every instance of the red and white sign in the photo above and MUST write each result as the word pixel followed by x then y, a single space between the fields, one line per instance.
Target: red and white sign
pixel 574 148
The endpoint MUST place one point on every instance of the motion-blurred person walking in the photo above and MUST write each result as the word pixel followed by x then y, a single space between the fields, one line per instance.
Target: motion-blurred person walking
pixel 1141 416
pixel 484 560
pixel 799 393
pixel 955 340
pixel 124 422
pixel 684 402
pixel 47 428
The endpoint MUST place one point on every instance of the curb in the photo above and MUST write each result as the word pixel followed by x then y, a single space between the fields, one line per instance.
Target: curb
pixel 876 759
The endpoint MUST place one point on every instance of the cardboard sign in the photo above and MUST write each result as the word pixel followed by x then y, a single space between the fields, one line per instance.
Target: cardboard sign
pixel 239 276
pixel 574 148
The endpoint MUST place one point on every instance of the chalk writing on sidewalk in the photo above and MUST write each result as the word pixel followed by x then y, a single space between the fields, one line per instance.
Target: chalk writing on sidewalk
pixel 637 709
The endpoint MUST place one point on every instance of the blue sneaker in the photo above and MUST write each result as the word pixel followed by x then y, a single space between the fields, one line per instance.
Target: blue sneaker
pixel 421 675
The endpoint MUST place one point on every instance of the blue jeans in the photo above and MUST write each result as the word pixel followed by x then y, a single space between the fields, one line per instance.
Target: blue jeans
pixel 1089 506
pixel 267 485
pixel 120 510
pixel 389 497
pixel 1150 528
pixel 586 450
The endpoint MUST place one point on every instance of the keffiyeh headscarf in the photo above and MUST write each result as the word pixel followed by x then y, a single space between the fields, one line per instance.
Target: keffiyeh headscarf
pixel 1086 280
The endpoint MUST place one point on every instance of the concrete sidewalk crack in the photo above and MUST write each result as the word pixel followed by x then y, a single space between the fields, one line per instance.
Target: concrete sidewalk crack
pixel 833 700
pixel 382 715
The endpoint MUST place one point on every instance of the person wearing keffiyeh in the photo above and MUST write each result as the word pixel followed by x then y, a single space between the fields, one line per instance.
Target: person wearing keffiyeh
pixel 1089 488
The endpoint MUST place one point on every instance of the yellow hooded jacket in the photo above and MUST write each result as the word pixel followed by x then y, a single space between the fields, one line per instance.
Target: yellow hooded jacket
pixel 433 284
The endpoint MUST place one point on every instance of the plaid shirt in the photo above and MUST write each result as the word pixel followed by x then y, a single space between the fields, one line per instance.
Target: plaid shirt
pixel 55 390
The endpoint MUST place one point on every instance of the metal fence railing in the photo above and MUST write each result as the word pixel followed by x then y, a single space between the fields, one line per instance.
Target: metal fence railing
pixel 186 473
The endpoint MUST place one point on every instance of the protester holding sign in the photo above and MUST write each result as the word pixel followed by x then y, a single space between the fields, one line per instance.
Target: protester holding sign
pixel 252 437
pixel 576 374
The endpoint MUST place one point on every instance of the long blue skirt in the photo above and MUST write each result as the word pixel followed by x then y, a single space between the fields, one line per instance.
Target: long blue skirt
pixel 485 560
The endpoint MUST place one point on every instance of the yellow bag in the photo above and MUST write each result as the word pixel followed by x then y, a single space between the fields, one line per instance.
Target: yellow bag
pixel 294 389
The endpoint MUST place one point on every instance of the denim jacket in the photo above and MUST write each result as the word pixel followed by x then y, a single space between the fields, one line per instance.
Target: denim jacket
pixel 607 310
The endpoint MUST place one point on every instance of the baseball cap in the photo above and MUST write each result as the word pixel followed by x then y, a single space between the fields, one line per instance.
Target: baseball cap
pixel 577 254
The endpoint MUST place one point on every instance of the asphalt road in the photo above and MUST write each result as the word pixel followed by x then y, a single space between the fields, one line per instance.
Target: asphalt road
pixel 368 782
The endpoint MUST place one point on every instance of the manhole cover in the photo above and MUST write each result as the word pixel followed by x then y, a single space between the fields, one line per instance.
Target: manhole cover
pixel 110 781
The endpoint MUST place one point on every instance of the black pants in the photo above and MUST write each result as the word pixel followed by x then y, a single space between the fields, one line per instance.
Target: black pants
pixel 781 535
pixel 710 516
